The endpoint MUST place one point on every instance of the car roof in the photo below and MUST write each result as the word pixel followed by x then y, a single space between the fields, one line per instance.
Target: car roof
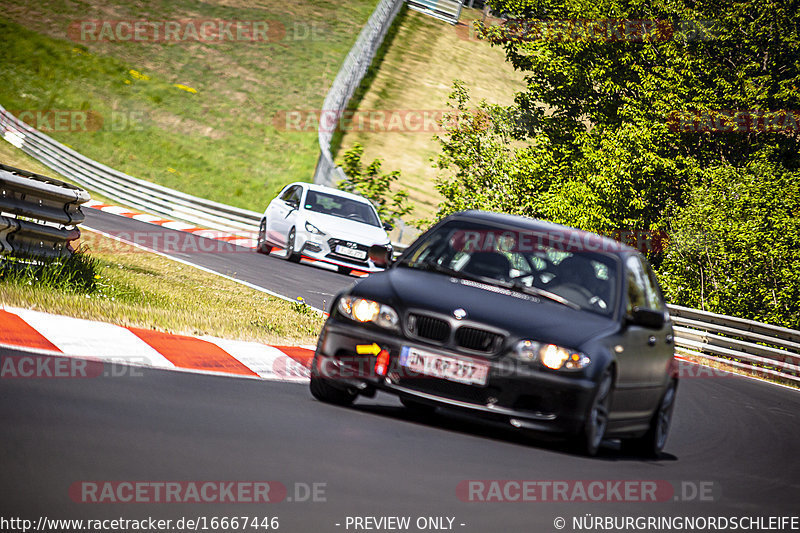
pixel 330 190
pixel 535 225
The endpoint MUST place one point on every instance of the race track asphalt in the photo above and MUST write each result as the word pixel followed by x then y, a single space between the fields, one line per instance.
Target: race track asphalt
pixel 735 438
pixel 732 451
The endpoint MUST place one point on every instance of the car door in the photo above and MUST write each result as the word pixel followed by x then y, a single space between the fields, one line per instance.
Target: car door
pixel 640 350
pixel 282 214
pixel 662 339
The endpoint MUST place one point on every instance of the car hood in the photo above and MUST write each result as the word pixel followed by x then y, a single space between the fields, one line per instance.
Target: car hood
pixel 341 228
pixel 523 316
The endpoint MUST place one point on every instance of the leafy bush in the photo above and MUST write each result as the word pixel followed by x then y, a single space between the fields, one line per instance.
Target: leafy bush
pixel 735 247
pixel 376 187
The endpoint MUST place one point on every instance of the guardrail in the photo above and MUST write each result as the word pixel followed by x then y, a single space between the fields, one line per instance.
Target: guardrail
pixel 347 80
pixel 121 187
pixel 446 10
pixel 761 349
pixel 44 214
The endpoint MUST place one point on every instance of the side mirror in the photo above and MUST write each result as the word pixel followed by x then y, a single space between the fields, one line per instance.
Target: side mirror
pixel 380 255
pixel 293 204
pixel 647 318
pixel 388 226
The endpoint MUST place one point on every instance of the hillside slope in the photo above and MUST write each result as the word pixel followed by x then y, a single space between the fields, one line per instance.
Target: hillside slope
pixel 191 114
pixel 417 74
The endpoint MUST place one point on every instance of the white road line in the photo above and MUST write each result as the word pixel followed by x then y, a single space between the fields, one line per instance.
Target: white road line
pixel 144 217
pixel 117 210
pixel 180 226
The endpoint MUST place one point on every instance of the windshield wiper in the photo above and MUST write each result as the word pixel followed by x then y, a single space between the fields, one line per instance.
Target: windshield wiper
pixel 521 287
pixel 512 285
pixel 433 266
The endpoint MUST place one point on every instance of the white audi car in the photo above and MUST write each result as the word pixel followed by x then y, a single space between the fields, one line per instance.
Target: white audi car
pixel 323 224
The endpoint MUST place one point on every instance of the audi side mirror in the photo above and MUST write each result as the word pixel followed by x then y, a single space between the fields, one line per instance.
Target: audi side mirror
pixel 387 226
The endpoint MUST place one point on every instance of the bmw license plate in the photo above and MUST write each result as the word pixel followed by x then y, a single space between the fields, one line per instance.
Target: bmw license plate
pixel 350 252
pixel 443 367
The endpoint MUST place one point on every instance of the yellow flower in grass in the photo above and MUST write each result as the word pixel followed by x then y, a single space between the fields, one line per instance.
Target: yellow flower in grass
pixel 138 75
pixel 170 169
pixel 185 88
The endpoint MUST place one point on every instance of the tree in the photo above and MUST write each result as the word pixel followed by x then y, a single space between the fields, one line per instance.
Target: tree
pixel 631 112
pixel 736 245
pixel 370 183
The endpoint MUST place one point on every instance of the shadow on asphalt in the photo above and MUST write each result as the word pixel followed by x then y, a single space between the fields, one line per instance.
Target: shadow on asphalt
pixel 457 422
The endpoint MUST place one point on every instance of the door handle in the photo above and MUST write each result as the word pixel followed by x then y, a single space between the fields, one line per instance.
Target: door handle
pixel 651 340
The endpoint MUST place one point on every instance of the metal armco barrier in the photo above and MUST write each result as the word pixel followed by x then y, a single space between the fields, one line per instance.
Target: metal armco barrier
pixel 446 10
pixel 762 349
pixel 38 215
pixel 121 187
pixel 347 80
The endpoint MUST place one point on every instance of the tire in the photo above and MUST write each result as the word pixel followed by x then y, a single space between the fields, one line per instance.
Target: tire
pixel 417 408
pixel 594 427
pixel 322 390
pixel 261 245
pixel 291 255
pixel 652 443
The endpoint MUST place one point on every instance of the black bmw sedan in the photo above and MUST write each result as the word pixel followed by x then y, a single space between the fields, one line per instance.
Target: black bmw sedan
pixel 551 329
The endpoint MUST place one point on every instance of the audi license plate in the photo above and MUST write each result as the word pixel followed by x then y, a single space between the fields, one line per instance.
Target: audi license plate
pixel 350 252
pixel 443 367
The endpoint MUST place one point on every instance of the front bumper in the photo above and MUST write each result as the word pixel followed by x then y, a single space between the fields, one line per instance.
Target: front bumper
pixel 526 397
pixel 317 248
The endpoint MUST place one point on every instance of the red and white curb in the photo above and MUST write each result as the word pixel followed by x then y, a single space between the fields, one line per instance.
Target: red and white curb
pixel 50 334
pixel 245 239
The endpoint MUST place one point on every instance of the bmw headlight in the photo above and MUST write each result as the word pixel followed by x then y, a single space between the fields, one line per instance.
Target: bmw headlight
pixel 311 228
pixel 550 355
pixel 363 310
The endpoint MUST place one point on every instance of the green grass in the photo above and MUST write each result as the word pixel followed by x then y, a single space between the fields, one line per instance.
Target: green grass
pixel 219 142
pixel 117 283
pixel 416 72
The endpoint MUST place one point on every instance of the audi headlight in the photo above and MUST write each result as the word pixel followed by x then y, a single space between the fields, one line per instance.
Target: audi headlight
pixel 550 355
pixel 363 310
pixel 311 228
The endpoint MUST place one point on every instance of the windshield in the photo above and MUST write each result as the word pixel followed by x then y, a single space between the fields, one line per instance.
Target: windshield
pixel 545 264
pixel 341 207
